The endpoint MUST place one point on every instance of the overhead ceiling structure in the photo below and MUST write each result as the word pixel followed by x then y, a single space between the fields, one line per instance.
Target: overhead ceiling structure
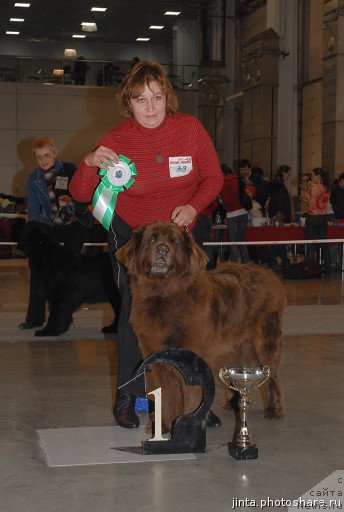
pixel 122 22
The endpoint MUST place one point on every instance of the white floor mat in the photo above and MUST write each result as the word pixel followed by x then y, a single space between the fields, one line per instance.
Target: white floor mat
pixel 97 445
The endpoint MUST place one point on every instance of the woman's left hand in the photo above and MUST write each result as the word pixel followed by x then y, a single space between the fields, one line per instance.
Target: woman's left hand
pixel 183 215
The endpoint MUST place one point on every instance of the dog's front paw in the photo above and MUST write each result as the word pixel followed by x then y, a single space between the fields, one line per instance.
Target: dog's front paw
pixel 273 413
pixel 45 332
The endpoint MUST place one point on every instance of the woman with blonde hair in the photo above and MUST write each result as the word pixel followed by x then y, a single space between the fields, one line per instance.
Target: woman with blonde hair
pixel 316 197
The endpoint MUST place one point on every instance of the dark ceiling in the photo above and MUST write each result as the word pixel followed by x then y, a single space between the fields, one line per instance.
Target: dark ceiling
pixel 123 22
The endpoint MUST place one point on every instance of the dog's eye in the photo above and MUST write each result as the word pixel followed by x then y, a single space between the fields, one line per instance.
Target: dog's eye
pixel 151 240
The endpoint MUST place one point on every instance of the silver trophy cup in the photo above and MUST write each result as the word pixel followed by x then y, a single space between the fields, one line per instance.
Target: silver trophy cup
pixel 244 380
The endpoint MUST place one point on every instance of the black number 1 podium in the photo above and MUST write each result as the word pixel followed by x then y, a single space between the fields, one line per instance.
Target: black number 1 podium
pixel 188 433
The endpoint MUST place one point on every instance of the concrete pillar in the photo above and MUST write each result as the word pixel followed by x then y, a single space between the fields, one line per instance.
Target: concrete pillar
pixel 259 79
pixel 212 70
pixel 333 90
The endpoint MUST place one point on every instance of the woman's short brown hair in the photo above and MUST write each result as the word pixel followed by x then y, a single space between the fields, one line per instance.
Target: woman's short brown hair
pixel 42 142
pixel 142 74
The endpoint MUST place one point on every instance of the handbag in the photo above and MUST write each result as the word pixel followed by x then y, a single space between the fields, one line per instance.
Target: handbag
pixel 244 198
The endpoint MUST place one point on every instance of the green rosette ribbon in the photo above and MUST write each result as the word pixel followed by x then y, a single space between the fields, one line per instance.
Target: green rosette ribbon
pixel 113 180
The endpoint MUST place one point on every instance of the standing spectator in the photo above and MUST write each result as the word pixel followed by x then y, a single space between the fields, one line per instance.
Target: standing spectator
pixel 256 187
pixel 49 202
pixel 202 231
pixel 337 197
pixel 236 215
pixel 316 196
pixel 178 174
pixel 279 209
pixel 254 179
pixel 80 70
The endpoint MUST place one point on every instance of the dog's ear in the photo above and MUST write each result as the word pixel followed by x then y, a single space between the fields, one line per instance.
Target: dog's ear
pixel 127 254
pixel 198 257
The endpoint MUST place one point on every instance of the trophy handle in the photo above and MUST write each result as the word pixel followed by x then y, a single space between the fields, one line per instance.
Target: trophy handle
pixel 266 370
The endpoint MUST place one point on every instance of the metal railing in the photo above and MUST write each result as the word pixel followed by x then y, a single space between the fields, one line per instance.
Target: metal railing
pixel 70 71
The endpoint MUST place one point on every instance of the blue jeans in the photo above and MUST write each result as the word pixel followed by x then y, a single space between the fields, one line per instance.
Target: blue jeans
pixel 316 228
pixel 236 227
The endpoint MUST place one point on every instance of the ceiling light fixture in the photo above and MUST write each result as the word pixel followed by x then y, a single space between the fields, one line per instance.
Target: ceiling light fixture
pixel 78 36
pixel 142 38
pixel 88 27
pixel 70 52
pixel 58 72
pixel 172 13
pixel 12 33
pixel 17 19
pixel 156 27
pixel 19 4
pixel 99 9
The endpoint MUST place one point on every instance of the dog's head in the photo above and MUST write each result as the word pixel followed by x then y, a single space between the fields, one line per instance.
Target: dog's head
pixel 34 236
pixel 161 250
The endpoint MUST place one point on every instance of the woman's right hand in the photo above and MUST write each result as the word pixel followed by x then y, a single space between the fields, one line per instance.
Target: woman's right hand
pixel 101 157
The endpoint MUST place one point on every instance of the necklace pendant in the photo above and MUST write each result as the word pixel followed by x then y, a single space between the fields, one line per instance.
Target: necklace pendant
pixel 159 158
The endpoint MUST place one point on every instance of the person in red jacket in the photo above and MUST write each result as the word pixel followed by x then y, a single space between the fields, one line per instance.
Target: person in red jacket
pixel 172 173
pixel 236 215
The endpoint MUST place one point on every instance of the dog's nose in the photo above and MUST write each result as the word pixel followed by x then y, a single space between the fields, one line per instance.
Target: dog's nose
pixel 162 249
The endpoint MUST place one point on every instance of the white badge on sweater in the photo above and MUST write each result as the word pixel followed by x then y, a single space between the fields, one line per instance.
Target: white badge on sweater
pixel 179 166
pixel 61 182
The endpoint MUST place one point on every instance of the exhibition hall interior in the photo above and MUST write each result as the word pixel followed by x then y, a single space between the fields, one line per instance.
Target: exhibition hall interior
pixel 264 78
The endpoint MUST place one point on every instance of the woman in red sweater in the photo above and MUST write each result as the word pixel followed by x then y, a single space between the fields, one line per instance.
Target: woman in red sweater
pixel 178 174
pixel 316 196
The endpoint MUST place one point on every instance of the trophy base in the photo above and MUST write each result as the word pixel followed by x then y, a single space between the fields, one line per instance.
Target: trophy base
pixel 241 452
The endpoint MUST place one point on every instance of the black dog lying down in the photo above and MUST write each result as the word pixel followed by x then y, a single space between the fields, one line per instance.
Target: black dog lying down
pixel 68 279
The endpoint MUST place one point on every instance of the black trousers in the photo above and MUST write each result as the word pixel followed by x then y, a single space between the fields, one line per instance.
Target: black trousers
pixel 129 355
pixel 73 236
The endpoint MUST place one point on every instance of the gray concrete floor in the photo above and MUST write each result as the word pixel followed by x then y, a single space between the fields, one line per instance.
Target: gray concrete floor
pixel 60 384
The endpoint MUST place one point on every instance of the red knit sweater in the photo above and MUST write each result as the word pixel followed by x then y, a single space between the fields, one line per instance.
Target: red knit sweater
pixel 155 194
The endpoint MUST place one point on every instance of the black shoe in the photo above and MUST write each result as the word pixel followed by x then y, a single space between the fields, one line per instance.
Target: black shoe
pixel 110 328
pixel 29 325
pixel 124 410
pixel 211 420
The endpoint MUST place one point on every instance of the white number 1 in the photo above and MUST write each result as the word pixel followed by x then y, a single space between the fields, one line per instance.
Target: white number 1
pixel 157 416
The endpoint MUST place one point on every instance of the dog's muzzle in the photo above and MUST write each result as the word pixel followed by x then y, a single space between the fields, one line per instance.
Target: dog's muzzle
pixel 159 266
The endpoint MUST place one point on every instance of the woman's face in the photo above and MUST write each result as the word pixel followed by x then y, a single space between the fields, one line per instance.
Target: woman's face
pixel 149 109
pixel 286 175
pixel 45 157
pixel 316 178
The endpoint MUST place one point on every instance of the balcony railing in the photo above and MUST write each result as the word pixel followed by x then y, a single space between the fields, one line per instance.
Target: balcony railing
pixel 85 72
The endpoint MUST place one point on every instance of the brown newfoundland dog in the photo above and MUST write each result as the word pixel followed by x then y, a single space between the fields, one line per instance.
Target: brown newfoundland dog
pixel 230 316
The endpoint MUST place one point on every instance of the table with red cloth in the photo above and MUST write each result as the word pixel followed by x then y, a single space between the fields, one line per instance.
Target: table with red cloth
pixel 288 234
pixel 281 233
